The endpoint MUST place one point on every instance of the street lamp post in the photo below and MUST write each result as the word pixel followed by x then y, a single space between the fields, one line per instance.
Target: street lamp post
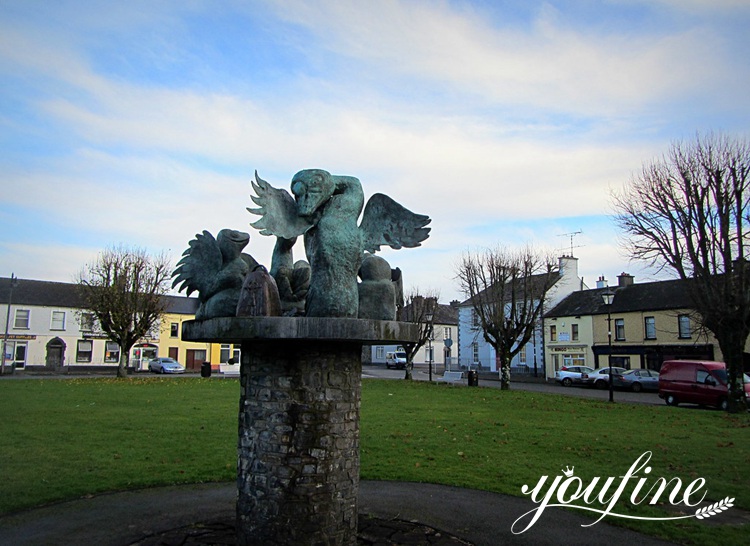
pixel 608 298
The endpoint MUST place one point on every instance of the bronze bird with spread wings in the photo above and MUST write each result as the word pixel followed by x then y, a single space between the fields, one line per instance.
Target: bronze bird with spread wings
pixel 325 209
pixel 216 268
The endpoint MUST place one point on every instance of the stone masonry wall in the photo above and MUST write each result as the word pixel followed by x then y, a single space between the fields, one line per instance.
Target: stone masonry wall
pixel 298 470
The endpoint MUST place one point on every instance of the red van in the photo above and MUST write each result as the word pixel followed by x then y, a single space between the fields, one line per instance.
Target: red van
pixel 696 382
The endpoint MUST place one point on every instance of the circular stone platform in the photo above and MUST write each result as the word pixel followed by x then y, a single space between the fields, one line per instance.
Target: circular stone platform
pixel 239 329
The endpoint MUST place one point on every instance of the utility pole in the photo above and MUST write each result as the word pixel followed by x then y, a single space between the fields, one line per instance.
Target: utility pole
pixel 13 283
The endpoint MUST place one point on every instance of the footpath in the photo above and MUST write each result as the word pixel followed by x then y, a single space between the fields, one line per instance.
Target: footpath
pixel 391 513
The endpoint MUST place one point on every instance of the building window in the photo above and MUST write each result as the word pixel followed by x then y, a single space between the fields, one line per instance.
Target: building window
pixel 174 330
pixel 58 320
pixel 683 323
pixel 474 318
pixel 380 352
pixel 84 350
pixel 22 319
pixel 447 334
pixel 649 324
pixel 112 352
pixel 574 360
pixel 620 329
pixel 229 351
pixel 522 357
pixel 475 351
pixel 87 322
pixel 553 333
pixel 429 355
pixel 621 361
pixel 574 332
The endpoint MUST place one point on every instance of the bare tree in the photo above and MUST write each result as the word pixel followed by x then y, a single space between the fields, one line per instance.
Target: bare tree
pixel 419 308
pixel 124 289
pixel 690 212
pixel 507 290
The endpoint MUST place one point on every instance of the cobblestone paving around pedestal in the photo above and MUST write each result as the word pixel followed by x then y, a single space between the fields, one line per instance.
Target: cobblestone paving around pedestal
pixel 372 532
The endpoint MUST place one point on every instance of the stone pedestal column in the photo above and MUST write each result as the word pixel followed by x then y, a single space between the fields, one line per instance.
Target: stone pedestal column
pixel 298 473
pixel 298 448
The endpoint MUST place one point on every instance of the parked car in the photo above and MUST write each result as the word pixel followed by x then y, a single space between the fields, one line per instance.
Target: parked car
pixel 568 375
pixel 165 365
pixel 637 380
pixel 395 359
pixel 600 378
pixel 696 382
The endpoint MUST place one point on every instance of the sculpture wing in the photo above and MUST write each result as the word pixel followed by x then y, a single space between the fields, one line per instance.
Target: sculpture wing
pixel 199 265
pixel 385 222
pixel 278 211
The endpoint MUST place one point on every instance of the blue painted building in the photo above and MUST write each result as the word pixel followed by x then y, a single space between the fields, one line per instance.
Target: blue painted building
pixel 475 353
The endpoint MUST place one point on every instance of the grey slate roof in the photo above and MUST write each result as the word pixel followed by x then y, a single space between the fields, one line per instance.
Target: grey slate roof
pixel 652 296
pixel 61 294
pixel 537 281
pixel 444 314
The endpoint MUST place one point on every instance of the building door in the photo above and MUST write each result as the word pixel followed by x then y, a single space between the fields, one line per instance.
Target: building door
pixel 174 353
pixel 55 354
pixel 194 359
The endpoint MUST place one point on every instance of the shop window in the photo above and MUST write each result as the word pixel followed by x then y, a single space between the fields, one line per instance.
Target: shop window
pixel 15 352
pixel 229 351
pixel 112 352
pixel 84 350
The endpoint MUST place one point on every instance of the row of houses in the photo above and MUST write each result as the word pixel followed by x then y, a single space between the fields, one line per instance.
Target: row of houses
pixel 45 327
pixel 642 326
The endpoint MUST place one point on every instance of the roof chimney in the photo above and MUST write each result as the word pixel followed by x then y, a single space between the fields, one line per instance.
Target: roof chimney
pixel 601 282
pixel 568 265
pixel 624 279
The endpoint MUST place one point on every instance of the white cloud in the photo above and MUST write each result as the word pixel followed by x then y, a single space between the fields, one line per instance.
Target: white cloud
pixel 473 122
pixel 549 65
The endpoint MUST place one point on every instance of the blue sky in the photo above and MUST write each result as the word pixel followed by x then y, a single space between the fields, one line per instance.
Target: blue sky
pixel 508 123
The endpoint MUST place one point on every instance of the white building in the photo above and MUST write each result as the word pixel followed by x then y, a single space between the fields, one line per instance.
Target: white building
pixel 475 353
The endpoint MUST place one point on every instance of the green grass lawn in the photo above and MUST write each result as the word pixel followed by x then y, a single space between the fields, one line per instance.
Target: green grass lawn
pixel 62 439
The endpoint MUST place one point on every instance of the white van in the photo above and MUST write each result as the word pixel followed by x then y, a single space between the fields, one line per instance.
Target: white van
pixel 395 359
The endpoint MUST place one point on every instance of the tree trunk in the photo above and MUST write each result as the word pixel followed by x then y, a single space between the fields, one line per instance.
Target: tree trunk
pixel 408 369
pixel 503 368
pixel 732 349
pixel 122 368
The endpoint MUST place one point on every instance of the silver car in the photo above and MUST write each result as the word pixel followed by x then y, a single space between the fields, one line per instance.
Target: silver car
pixel 600 378
pixel 637 380
pixel 568 375
pixel 165 365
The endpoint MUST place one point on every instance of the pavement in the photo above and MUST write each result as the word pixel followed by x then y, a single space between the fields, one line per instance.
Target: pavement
pixel 390 513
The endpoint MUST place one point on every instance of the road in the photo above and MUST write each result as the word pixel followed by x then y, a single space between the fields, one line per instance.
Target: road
pixel 421 374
